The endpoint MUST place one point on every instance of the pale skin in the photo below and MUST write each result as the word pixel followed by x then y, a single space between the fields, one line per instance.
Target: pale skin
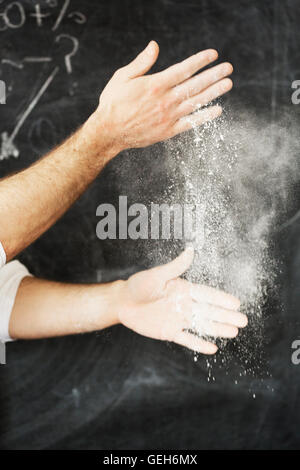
pixel 156 303
pixel 135 110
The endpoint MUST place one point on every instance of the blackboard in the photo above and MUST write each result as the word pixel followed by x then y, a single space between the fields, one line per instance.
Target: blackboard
pixel 114 389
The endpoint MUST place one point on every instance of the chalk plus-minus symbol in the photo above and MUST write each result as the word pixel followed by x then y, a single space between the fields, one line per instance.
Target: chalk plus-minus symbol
pixel 39 15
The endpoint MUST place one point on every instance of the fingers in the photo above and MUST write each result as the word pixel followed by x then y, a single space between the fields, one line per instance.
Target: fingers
pixel 176 267
pixel 229 317
pixel 217 330
pixel 202 81
pixel 143 62
pixel 182 71
pixel 196 119
pixel 214 297
pixel 204 98
pixel 220 330
pixel 205 319
pixel 194 343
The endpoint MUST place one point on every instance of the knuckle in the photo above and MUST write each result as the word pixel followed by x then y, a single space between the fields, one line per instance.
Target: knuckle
pixel 178 94
pixel 162 113
pixel 154 89
pixel 195 104
pixel 166 104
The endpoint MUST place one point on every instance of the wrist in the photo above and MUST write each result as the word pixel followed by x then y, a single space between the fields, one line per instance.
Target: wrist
pixel 117 297
pixel 100 137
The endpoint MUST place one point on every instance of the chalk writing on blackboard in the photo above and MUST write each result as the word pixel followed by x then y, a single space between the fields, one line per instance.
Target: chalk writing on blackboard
pixel 2 92
pixel 75 45
pixel 7 146
pixel 14 16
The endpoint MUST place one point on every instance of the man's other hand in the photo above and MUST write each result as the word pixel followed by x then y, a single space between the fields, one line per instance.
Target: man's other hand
pixel 159 304
pixel 137 110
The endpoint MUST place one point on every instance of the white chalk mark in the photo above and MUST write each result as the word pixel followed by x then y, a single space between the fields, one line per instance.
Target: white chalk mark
pixel 37 59
pixel 12 63
pixel 276 39
pixel 52 3
pixel 33 103
pixel 2 92
pixel 70 54
pixel 79 17
pixel 7 147
pixel 39 15
pixel 22 14
pixel 290 221
pixel 61 15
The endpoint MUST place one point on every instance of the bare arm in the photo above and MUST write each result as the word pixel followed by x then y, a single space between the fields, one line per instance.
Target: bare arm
pixel 156 303
pixel 32 200
pixel 135 110
pixel 46 309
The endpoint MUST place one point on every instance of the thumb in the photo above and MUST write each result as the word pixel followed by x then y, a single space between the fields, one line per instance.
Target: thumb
pixel 176 267
pixel 144 61
pixel 147 285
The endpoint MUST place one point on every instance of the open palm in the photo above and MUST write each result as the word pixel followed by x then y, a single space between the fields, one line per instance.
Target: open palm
pixel 159 304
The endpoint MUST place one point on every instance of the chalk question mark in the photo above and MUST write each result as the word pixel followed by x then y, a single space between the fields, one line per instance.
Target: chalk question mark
pixel 68 56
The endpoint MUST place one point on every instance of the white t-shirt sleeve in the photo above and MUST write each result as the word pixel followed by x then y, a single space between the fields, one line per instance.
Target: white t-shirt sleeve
pixel 10 277
pixel 2 256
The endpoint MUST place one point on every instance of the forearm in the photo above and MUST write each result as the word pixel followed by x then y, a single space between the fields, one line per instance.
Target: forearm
pixel 46 309
pixel 32 200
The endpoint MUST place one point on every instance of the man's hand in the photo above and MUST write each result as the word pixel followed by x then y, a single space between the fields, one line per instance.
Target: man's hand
pixel 154 303
pixel 134 111
pixel 158 304
pixel 137 110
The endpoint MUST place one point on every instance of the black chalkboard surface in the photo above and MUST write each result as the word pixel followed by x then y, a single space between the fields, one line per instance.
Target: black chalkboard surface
pixel 115 389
